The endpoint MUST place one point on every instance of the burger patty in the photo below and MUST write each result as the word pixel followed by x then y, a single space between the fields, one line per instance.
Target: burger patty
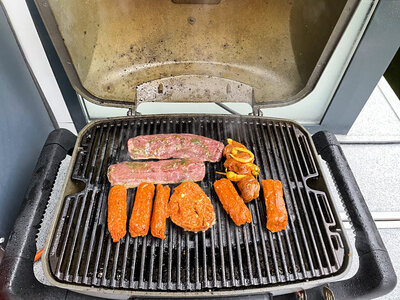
pixel 190 208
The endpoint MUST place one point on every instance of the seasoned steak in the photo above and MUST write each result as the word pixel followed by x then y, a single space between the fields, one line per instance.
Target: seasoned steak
pixel 163 146
pixel 131 173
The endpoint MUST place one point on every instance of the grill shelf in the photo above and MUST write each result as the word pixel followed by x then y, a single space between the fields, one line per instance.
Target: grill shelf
pixel 313 246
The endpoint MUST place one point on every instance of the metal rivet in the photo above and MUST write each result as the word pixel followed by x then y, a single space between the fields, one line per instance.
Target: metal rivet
pixel 191 20
pixel 301 295
pixel 328 294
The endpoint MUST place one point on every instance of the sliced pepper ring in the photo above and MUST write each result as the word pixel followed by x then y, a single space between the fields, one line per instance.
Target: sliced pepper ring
pixel 235 151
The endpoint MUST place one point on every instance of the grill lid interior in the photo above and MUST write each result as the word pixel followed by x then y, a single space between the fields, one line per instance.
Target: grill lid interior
pixel 312 250
pixel 125 52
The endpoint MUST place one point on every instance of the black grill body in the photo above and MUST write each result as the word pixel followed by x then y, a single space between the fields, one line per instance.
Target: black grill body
pixel 312 249
pixel 375 277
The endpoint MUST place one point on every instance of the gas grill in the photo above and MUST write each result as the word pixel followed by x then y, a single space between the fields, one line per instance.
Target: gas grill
pixel 226 261
pixel 122 66
pixel 313 249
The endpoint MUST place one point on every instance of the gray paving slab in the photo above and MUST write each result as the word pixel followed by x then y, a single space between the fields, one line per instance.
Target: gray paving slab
pixel 376 164
pixel 377 118
pixel 377 171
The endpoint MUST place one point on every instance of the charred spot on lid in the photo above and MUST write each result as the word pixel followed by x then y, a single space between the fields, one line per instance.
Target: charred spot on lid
pixel 191 20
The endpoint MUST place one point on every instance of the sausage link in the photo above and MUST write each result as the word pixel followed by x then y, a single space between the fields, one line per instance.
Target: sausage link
pixel 160 211
pixel 249 188
pixel 276 210
pixel 232 202
pixel 141 213
pixel 117 212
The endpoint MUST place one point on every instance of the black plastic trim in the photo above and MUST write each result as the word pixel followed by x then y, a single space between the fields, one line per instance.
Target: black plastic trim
pixel 17 280
pixel 375 276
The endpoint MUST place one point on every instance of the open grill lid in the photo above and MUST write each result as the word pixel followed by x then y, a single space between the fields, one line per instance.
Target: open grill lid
pixel 264 53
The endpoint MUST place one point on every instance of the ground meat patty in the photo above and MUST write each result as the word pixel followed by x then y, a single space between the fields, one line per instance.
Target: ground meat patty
pixel 131 174
pixel 116 219
pixel 276 210
pixel 160 211
pixel 190 208
pixel 163 146
pixel 232 202
pixel 141 213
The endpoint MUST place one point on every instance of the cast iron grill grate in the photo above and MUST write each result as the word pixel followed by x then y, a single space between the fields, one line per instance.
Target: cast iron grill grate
pixel 226 256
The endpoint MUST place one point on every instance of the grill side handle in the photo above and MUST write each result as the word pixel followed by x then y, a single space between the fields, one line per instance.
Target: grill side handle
pixel 375 276
pixel 16 271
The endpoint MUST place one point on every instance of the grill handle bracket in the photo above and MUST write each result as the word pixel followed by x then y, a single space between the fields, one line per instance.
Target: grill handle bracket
pixel 375 276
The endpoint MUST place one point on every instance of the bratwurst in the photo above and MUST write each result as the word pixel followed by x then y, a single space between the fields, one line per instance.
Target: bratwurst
pixel 141 213
pixel 232 202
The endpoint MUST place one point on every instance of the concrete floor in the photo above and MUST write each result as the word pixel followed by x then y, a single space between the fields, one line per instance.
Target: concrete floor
pixel 372 148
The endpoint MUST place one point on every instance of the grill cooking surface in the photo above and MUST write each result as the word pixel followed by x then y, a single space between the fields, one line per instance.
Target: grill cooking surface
pixel 312 247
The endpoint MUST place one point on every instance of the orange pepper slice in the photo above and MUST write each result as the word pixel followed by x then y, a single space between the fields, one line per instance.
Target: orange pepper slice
pixel 232 176
pixel 38 255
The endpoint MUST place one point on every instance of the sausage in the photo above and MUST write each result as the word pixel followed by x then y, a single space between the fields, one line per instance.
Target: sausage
pixel 190 208
pixel 160 211
pixel 117 212
pixel 232 202
pixel 141 213
pixel 276 210
pixel 249 188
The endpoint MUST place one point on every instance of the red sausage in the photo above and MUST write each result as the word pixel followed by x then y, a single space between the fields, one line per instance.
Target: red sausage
pixel 276 210
pixel 141 213
pixel 160 211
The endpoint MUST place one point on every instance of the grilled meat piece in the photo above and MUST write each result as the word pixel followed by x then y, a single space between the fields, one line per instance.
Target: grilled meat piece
pixel 163 146
pixel 228 148
pixel 190 208
pixel 160 211
pixel 249 188
pixel 131 174
pixel 275 205
pixel 141 213
pixel 117 217
pixel 237 167
pixel 232 202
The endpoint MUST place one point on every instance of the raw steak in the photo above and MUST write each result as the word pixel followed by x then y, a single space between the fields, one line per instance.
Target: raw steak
pixel 163 146
pixel 131 173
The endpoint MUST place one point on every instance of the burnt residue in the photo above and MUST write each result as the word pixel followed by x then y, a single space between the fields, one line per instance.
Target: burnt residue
pixel 255 42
